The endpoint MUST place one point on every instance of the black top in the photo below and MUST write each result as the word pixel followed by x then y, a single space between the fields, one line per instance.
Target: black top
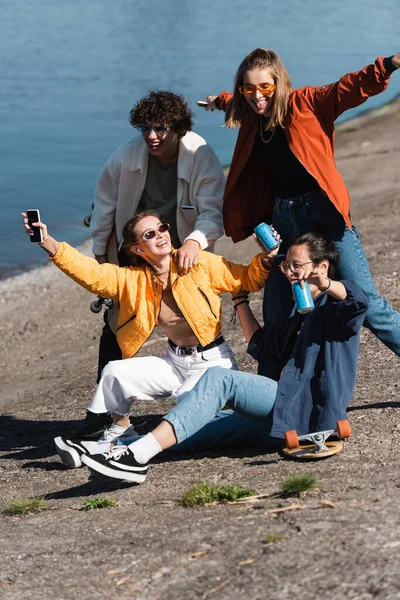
pixel 289 177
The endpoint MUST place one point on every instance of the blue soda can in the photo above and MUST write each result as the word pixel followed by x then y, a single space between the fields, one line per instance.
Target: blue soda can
pixel 302 297
pixel 266 237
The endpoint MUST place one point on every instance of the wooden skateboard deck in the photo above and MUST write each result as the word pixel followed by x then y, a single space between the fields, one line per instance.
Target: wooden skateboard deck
pixel 308 451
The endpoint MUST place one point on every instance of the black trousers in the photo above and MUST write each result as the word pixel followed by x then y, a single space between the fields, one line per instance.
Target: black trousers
pixel 108 347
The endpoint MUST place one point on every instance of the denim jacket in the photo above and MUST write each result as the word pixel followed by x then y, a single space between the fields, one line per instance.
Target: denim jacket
pixel 319 354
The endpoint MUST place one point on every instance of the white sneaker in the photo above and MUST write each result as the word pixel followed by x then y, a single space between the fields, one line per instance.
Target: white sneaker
pixel 115 431
pixel 119 463
pixel 70 451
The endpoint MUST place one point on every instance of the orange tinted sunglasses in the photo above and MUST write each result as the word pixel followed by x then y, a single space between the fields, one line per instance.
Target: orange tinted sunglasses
pixel 265 88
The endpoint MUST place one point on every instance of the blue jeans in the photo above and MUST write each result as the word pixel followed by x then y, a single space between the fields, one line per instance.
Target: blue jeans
pixel 200 423
pixel 314 211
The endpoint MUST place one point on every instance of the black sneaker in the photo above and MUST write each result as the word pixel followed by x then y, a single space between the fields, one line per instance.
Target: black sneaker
pixel 92 427
pixel 119 463
pixel 70 451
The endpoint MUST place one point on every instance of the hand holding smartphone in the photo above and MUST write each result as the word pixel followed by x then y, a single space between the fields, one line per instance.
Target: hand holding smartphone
pixel 202 103
pixel 33 216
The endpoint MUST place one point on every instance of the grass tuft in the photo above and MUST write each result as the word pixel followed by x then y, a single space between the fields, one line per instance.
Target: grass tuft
pixel 24 506
pixel 99 503
pixel 273 538
pixel 294 485
pixel 203 493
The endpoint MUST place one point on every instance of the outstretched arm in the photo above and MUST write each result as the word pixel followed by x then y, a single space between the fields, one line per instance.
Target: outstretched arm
pixel 353 89
pixel 107 280
pixel 49 244
pixel 231 277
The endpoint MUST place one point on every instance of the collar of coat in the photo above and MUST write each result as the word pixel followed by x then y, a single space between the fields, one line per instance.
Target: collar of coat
pixel 187 147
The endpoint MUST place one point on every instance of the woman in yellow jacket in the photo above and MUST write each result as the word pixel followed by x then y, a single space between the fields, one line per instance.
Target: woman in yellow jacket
pixel 187 308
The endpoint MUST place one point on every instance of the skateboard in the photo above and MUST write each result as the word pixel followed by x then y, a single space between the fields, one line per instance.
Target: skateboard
pixel 88 218
pixel 318 447
pixel 96 305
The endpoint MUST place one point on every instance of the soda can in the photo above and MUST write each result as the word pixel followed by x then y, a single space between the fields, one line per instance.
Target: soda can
pixel 302 297
pixel 266 237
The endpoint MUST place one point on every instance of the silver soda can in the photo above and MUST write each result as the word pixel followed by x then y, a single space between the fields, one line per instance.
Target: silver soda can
pixel 302 297
pixel 266 237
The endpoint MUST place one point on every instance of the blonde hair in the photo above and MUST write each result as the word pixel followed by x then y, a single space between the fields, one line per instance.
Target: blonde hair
pixel 260 58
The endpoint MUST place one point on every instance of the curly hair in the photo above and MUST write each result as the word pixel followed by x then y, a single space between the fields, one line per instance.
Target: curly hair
pixel 163 108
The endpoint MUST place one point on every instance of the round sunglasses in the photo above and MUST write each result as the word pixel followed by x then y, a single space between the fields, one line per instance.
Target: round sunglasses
pixel 159 130
pixel 151 233
pixel 293 265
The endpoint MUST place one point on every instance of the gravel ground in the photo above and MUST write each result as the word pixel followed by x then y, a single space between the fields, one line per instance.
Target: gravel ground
pixel 344 537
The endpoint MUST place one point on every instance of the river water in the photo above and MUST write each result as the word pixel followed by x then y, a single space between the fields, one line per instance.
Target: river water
pixel 71 71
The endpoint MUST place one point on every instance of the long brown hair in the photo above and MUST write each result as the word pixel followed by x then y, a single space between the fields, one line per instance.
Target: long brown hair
pixel 129 237
pixel 260 58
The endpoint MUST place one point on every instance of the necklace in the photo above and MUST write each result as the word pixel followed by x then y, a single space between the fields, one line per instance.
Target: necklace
pixel 271 135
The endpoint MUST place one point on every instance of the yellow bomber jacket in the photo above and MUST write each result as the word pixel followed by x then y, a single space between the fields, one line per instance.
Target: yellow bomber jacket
pixel 139 292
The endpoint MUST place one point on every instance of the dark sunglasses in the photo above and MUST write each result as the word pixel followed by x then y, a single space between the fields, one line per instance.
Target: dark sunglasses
pixel 159 130
pixel 151 233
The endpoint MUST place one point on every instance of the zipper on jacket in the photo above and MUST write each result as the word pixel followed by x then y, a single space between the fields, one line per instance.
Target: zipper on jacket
pixel 207 300
pixel 155 301
pixel 126 322
pixel 181 308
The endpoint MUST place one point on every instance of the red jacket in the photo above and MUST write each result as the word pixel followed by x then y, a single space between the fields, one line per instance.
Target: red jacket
pixel 309 129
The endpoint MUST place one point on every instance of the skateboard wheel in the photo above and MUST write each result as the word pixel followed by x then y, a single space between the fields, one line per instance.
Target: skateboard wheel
pixel 86 220
pixel 95 306
pixel 344 429
pixel 292 441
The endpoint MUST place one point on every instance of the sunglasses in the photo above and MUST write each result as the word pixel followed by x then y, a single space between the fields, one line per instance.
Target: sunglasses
pixel 293 265
pixel 265 88
pixel 159 130
pixel 151 233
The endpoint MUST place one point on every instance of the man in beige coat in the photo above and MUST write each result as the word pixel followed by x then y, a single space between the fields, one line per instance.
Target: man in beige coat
pixel 169 169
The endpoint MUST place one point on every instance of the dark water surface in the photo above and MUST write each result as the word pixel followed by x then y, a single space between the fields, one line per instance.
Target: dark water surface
pixel 71 71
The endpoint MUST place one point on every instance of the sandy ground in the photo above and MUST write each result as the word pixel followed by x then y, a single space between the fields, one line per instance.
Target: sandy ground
pixel 150 547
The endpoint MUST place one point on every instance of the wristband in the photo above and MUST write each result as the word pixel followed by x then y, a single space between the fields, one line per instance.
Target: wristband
pixel 328 286
pixel 234 308
pixel 240 297
pixel 241 302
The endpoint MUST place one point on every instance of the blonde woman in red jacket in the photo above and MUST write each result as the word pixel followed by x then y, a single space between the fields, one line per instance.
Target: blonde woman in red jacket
pixel 283 170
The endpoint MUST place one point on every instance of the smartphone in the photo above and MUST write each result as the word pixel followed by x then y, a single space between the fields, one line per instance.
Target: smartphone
pixel 33 216
pixel 202 103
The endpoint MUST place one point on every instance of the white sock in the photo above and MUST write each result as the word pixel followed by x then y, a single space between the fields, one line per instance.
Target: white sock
pixel 145 448
pixel 117 429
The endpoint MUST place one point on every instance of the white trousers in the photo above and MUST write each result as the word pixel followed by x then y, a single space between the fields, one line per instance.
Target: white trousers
pixel 151 377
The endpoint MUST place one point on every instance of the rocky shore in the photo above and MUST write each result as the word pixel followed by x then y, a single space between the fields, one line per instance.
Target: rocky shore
pixel 344 538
